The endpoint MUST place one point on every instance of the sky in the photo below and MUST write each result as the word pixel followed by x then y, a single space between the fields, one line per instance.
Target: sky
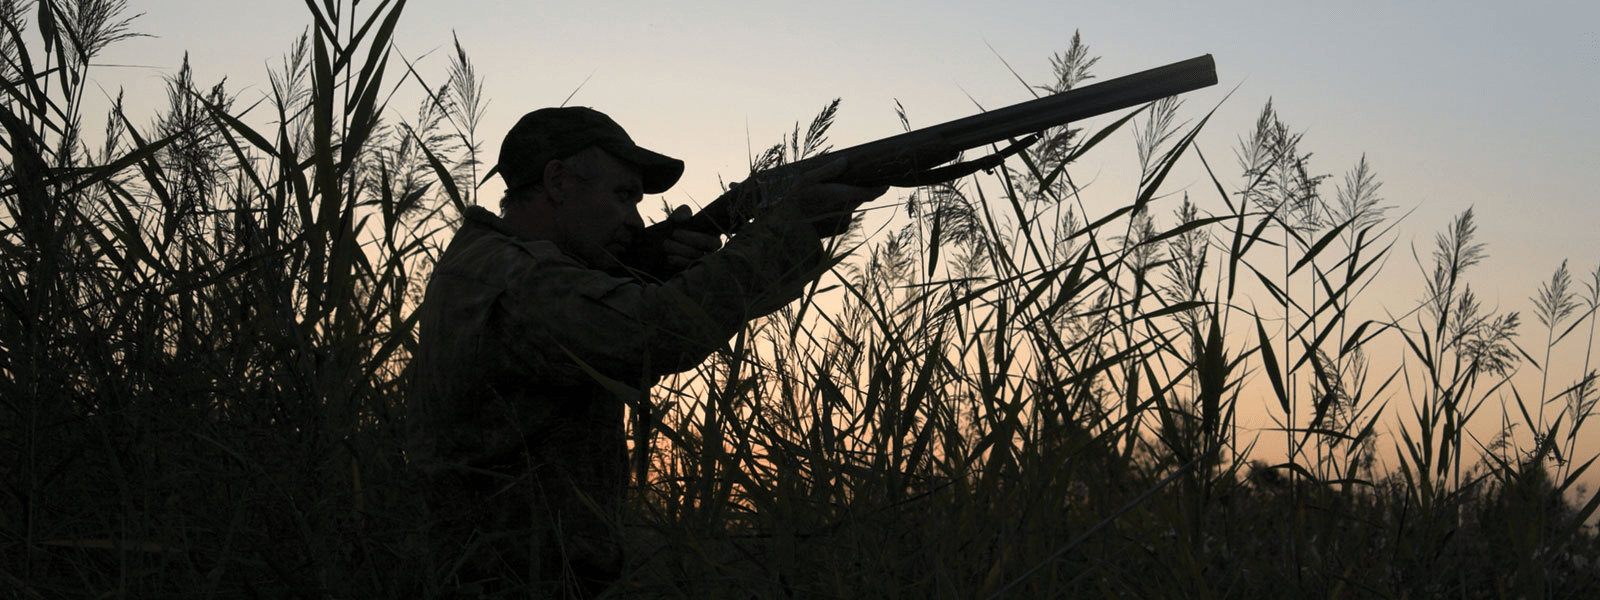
pixel 1455 104
pixel 1489 105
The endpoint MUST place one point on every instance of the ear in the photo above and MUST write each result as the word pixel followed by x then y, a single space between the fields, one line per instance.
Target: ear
pixel 553 179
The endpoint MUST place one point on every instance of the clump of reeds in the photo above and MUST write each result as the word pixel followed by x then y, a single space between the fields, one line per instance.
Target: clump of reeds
pixel 206 321
pixel 1005 395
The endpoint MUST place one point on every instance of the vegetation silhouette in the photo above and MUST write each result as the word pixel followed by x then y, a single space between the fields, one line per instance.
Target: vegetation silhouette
pixel 205 328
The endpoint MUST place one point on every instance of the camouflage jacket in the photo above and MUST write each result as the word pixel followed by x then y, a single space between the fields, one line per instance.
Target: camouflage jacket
pixel 523 347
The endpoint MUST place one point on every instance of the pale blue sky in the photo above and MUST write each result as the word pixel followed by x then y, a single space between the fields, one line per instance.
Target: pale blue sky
pixel 1455 104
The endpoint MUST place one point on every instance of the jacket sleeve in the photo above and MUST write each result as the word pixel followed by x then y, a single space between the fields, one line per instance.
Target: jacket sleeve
pixel 570 321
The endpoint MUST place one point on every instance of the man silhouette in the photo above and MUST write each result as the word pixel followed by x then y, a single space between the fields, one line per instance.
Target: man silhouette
pixel 533 339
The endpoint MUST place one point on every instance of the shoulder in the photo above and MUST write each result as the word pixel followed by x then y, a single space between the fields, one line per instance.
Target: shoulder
pixel 487 264
pixel 485 244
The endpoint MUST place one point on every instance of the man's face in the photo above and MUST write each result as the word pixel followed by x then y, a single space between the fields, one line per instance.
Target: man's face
pixel 597 213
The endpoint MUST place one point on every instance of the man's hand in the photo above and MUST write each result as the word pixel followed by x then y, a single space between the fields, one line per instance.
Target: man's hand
pixel 684 246
pixel 828 206
pixel 661 250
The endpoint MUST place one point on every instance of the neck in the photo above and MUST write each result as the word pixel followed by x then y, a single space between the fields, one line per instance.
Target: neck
pixel 531 219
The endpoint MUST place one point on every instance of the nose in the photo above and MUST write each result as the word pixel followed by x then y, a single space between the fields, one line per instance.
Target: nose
pixel 634 221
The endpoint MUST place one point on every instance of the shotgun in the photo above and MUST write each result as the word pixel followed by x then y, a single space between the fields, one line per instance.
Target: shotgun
pixel 920 157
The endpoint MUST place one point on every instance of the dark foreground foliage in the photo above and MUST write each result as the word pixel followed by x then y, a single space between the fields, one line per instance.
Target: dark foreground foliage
pixel 204 326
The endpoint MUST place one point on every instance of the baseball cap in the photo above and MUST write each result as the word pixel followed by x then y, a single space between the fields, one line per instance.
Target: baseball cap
pixel 555 133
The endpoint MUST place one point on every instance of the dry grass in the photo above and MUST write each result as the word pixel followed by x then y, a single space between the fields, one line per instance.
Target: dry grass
pixel 204 331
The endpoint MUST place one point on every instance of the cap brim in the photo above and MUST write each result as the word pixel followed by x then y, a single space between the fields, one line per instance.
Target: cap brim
pixel 659 172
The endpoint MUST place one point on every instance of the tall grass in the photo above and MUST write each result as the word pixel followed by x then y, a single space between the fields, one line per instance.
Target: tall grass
pixel 205 324
pixel 1002 392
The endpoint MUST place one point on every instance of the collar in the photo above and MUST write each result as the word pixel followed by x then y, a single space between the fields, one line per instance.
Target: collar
pixel 481 217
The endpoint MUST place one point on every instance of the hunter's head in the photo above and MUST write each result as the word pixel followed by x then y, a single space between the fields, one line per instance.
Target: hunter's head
pixel 574 177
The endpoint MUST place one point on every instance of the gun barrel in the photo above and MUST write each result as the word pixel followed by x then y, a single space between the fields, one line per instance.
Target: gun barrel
pixel 1081 103
pixel 900 158
pixel 922 149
